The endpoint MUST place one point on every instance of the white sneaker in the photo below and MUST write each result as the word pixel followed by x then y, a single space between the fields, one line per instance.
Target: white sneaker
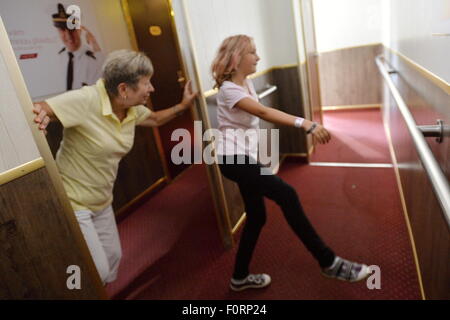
pixel 260 280
pixel 346 270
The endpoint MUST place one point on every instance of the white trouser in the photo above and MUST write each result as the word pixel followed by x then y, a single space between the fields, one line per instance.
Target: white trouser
pixel 102 238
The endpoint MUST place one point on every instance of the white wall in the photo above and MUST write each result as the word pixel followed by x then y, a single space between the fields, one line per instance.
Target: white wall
pixel 347 23
pixel 111 24
pixel 17 146
pixel 280 22
pixel 412 23
pixel 269 22
pixel 405 26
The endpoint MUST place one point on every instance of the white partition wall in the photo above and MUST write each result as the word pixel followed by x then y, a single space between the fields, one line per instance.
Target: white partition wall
pixel 347 23
pixel 422 34
pixel 269 22
pixel 17 146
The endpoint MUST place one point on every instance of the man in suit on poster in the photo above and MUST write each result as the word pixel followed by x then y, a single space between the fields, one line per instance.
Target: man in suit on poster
pixel 81 63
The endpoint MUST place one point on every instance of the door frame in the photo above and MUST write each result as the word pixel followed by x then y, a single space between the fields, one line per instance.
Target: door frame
pixel 215 179
pixel 182 30
pixel 304 65
pixel 308 56
pixel 134 45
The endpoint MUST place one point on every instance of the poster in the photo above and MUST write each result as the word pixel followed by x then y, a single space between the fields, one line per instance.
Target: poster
pixel 44 50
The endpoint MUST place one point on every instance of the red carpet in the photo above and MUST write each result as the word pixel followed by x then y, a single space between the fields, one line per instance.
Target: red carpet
pixel 150 233
pixel 357 136
pixel 172 248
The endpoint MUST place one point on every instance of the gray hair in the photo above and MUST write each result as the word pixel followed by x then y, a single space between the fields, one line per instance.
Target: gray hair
pixel 125 66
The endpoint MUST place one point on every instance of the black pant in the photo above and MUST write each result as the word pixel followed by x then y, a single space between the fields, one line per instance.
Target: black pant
pixel 254 187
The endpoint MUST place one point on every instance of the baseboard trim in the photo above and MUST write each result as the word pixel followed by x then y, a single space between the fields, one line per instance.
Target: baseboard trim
pixel 351 107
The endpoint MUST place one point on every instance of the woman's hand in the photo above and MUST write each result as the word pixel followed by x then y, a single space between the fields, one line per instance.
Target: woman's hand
pixel 319 132
pixel 159 118
pixel 188 96
pixel 42 119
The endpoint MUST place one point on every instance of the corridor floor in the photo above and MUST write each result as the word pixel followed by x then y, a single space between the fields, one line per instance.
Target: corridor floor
pixel 172 249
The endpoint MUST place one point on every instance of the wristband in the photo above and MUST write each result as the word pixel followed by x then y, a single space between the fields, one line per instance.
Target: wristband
pixel 314 125
pixel 298 122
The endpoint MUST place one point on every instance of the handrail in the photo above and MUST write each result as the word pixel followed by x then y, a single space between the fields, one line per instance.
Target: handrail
pixel 432 168
pixel 266 92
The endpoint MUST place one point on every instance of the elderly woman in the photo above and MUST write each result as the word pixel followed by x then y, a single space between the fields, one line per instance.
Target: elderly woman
pixel 99 123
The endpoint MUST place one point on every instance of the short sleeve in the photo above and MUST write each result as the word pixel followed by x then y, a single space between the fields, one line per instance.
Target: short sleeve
pixel 142 113
pixel 70 106
pixel 232 94
pixel 252 89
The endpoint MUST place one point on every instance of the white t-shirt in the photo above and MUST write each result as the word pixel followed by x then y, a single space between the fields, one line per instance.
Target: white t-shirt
pixel 239 129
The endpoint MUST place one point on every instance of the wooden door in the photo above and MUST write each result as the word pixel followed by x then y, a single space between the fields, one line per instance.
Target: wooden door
pixel 312 59
pixel 227 201
pixel 151 26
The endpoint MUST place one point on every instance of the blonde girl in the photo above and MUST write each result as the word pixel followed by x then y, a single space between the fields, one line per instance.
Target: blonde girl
pixel 238 108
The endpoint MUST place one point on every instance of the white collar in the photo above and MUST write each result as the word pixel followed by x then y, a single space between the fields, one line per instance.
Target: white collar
pixel 81 50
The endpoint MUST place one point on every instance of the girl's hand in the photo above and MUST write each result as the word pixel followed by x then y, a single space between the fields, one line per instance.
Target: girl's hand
pixel 318 131
pixel 321 134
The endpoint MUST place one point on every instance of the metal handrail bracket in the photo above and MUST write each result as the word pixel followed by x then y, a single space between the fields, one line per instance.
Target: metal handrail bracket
pixel 266 92
pixel 438 180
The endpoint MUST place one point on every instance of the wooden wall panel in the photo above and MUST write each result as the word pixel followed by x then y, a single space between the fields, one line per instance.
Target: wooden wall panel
pixel 431 234
pixel 140 169
pixel 37 244
pixel 292 140
pixel 261 83
pixel 350 76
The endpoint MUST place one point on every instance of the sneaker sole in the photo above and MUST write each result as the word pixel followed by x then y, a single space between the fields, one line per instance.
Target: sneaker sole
pixel 250 286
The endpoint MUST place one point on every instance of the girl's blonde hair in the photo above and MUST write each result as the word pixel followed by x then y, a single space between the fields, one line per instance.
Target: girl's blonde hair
pixel 229 56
